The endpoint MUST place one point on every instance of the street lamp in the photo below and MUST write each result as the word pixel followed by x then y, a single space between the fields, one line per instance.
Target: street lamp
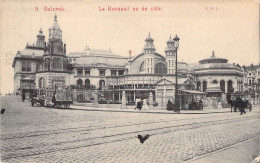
pixel 176 45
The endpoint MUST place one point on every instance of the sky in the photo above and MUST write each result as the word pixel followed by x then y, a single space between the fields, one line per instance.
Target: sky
pixel 228 27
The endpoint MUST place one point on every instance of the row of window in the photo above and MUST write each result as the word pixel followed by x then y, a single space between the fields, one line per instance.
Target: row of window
pixel 56 63
pixel 101 72
pixel 149 62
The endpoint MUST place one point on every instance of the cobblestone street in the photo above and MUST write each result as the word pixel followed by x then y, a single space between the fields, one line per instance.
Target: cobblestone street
pixel 39 134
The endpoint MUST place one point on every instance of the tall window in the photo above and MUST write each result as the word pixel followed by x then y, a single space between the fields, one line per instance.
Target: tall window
pixel 47 63
pixel 87 72
pixel 79 82
pixel 141 67
pixel 113 72
pixel 79 72
pixel 121 72
pixel 101 72
pixel 26 66
pixel 160 68
pixel 56 63
pixel 204 86
pixel 222 86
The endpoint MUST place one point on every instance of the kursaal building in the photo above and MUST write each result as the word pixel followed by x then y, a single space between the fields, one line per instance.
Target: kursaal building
pixel 46 65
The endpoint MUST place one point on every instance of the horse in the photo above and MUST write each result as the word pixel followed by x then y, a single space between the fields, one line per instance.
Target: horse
pixel 248 105
pixel 242 105
pixel 233 103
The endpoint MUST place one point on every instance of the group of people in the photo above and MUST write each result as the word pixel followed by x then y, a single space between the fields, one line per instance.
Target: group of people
pixel 141 104
pixel 196 105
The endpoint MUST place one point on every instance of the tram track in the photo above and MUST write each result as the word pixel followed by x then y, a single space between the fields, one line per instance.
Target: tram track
pixel 90 128
pixel 119 137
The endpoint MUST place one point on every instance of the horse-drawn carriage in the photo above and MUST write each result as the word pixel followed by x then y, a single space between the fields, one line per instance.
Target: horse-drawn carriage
pixel 241 105
pixel 45 97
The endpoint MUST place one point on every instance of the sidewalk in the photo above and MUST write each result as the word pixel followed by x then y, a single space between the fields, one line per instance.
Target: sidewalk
pixel 131 110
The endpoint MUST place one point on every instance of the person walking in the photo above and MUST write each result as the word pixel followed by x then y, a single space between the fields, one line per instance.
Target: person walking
pixel 23 96
pixel 54 100
pixel 145 106
pixel 169 105
pixel 138 104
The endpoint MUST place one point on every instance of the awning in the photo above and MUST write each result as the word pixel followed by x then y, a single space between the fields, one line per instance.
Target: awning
pixel 194 92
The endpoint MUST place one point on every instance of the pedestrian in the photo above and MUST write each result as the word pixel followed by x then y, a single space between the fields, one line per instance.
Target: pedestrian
pixel 201 104
pixel 138 103
pixel 169 105
pixel 54 99
pixel 23 96
pixel 145 106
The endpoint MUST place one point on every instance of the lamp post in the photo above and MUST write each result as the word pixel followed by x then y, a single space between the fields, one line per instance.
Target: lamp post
pixel 176 45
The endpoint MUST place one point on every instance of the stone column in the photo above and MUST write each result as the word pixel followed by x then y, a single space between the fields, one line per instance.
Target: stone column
pixel 123 105
pixel 226 86
pixel 151 101
pixel 74 95
pixel 76 72
pixel 95 94
pixel 201 86
pixel 83 72
pixel 235 85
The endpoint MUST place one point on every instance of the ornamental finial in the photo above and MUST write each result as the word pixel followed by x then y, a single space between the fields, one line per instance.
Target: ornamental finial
pixel 55 17
pixel 213 53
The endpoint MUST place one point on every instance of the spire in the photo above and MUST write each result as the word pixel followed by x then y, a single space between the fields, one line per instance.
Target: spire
pixel 55 23
pixel 55 17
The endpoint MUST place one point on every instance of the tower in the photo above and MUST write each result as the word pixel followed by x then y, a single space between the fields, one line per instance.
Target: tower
pixel 40 39
pixel 149 51
pixel 55 45
pixel 54 70
pixel 170 56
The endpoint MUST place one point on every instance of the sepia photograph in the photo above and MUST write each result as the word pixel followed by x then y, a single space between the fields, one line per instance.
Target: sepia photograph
pixel 130 81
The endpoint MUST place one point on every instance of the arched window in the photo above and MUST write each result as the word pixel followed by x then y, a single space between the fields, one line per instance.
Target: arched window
pixel 79 82
pixel 204 86
pixel 215 82
pixel 87 83
pixel 222 86
pixel 230 86
pixel 56 63
pixel 160 68
pixel 141 67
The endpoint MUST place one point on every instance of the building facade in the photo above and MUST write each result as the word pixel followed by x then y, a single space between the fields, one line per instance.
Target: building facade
pixel 218 78
pixel 46 65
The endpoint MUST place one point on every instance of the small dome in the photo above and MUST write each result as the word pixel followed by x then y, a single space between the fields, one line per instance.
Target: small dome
pixel 149 38
pixel 40 33
pixel 213 59
pixel 170 40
